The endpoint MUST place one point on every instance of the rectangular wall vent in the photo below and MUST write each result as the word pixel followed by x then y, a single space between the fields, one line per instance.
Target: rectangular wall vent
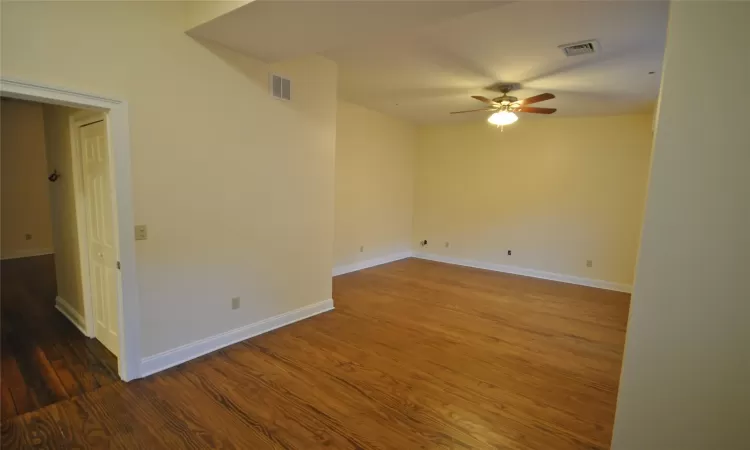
pixel 281 87
pixel 580 48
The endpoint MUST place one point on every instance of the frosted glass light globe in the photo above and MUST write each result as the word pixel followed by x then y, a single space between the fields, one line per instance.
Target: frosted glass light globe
pixel 502 118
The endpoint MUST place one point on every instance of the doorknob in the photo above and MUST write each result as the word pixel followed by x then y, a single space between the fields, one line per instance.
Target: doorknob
pixel 101 255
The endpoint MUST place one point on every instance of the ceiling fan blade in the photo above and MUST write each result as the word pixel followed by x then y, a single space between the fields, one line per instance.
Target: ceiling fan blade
pixel 535 110
pixel 483 99
pixel 474 110
pixel 536 99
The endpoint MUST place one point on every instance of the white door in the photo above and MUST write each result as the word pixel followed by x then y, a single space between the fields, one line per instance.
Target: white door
pixel 103 272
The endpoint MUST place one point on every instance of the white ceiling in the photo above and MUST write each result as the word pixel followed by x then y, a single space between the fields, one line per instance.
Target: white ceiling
pixel 421 60
pixel 424 74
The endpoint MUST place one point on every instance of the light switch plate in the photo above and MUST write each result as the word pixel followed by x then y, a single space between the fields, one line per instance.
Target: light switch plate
pixel 141 233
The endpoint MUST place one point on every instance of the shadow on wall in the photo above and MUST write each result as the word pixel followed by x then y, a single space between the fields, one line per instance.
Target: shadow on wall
pixel 255 71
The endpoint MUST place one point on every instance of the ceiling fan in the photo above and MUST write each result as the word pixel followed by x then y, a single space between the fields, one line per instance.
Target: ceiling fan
pixel 505 107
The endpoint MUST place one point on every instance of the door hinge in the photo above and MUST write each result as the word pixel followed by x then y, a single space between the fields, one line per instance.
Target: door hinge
pixel 118 265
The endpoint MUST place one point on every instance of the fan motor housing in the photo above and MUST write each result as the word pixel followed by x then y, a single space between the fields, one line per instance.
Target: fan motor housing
pixel 504 87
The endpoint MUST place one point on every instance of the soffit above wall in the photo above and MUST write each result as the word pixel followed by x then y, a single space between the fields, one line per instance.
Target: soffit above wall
pixel 275 30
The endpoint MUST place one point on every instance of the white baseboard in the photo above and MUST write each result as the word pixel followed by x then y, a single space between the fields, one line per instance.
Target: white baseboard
pixel 609 285
pixel 27 253
pixel 184 353
pixel 71 314
pixel 340 270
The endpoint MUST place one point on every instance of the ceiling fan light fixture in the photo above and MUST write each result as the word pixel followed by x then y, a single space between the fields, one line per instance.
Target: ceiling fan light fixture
pixel 502 118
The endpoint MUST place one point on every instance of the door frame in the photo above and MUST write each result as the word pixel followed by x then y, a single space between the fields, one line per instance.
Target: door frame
pixel 129 360
pixel 76 121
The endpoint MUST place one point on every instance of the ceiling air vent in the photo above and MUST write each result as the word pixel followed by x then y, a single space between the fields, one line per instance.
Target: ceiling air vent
pixel 281 87
pixel 580 48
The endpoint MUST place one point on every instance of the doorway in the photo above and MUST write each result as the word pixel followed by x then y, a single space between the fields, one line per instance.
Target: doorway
pixel 108 264
pixel 47 354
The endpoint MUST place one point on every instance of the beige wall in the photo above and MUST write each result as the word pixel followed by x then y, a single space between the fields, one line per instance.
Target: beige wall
pixel 62 198
pixel 374 185
pixel 555 191
pixel 25 189
pixel 235 187
pixel 686 373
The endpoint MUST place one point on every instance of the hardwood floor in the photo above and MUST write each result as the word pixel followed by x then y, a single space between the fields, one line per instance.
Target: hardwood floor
pixel 417 355
pixel 45 359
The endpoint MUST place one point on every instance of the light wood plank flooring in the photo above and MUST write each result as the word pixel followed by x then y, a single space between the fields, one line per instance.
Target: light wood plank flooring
pixel 417 355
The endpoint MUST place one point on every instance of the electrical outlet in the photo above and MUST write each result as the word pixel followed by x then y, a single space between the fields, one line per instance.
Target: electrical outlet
pixel 236 303
pixel 447 244
pixel 141 232
pixel 509 252
pixel 27 236
pixel 361 248
pixel 589 263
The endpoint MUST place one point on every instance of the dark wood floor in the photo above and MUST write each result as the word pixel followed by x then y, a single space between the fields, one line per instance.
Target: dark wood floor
pixel 417 355
pixel 45 359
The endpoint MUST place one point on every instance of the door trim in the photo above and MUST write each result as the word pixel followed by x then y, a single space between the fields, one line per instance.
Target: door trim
pixel 129 361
